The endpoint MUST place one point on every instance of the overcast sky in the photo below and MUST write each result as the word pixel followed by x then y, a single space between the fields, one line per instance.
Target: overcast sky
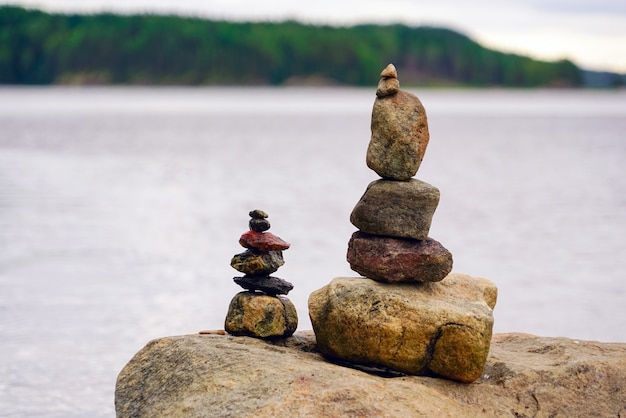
pixel 592 33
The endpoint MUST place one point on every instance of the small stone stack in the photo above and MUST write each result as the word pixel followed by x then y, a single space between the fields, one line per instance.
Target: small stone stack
pixel 402 315
pixel 259 311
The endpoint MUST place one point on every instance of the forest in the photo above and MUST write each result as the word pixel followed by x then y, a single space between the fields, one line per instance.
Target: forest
pixel 49 48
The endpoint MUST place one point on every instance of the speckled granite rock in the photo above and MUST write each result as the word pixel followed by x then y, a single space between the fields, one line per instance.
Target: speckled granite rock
pixel 441 328
pixel 202 376
pixel 259 315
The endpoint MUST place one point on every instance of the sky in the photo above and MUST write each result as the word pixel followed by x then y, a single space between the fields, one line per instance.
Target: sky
pixel 591 33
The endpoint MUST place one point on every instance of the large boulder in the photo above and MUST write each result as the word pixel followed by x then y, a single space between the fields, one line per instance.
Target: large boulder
pixel 402 209
pixel 202 376
pixel 398 260
pixel 441 328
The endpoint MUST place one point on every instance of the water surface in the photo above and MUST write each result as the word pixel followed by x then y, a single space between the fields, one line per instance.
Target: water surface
pixel 121 208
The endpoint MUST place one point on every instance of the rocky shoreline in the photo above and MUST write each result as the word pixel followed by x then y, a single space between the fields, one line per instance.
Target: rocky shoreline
pixel 215 374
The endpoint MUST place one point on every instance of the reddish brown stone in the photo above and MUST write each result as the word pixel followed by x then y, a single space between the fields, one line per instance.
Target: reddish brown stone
pixel 395 260
pixel 262 241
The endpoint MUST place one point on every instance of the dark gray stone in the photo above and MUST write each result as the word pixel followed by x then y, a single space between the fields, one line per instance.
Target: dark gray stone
pixel 259 225
pixel 267 284
pixel 258 214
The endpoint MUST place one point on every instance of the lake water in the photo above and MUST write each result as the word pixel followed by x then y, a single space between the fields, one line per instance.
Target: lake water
pixel 120 209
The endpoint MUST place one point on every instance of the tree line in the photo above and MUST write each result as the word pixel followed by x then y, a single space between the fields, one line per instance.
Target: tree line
pixel 46 48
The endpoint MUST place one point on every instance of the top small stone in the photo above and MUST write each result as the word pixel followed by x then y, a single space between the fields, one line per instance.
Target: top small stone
pixel 258 214
pixel 388 84
pixel 389 72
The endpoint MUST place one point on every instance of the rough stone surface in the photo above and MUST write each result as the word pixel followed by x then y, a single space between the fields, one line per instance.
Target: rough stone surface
pixel 396 260
pixel 388 83
pixel 258 214
pixel 258 315
pixel 441 328
pixel 257 263
pixel 259 225
pixel 262 241
pixel 201 376
pixel 402 209
pixel 399 135
pixel 268 284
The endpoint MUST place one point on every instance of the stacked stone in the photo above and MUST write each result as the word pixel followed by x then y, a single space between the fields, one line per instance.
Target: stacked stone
pixel 402 315
pixel 260 311
pixel 395 213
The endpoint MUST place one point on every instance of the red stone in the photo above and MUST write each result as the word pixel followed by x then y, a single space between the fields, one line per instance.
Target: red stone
pixel 262 241
pixel 396 260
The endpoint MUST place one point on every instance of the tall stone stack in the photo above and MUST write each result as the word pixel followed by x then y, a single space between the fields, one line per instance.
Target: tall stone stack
pixel 402 315
pixel 260 311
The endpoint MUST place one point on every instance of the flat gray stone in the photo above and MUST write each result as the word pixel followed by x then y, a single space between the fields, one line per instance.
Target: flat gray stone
pixel 268 284
pixel 401 209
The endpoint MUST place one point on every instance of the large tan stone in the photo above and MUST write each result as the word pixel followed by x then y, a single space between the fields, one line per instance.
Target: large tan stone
pixel 259 315
pixel 202 376
pixel 441 328
pixel 402 209
pixel 399 134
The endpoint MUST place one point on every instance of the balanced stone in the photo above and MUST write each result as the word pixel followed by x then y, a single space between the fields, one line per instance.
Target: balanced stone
pixel 388 83
pixel 441 329
pixel 399 131
pixel 259 225
pixel 258 315
pixel 262 241
pixel 258 214
pixel 257 263
pixel 401 209
pixel 395 260
pixel 268 284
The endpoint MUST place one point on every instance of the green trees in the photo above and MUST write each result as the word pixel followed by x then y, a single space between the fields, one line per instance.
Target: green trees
pixel 40 48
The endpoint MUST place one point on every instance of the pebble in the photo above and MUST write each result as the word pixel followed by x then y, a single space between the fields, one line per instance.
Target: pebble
pixel 259 225
pixel 255 263
pixel 388 84
pixel 267 284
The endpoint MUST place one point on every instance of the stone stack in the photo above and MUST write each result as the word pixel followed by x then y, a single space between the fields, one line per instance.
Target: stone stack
pixel 260 311
pixel 402 315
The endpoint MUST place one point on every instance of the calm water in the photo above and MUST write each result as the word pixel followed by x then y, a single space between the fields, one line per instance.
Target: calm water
pixel 120 209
